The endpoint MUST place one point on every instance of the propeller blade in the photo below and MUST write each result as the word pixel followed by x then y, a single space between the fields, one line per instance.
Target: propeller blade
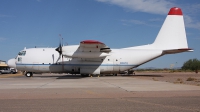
pixel 59 49
pixel 58 58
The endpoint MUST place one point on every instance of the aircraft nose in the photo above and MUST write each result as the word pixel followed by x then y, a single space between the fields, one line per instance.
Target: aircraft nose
pixel 11 63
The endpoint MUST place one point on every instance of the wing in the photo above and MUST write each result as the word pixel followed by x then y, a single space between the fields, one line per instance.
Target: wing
pixel 88 49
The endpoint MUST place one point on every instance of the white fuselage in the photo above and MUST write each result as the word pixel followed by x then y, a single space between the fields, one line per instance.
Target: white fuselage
pixel 48 60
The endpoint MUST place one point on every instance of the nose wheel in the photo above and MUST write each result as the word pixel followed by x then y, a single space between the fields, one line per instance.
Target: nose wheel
pixel 29 74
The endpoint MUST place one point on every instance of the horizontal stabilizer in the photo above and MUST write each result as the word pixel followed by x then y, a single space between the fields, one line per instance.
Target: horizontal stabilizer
pixel 172 51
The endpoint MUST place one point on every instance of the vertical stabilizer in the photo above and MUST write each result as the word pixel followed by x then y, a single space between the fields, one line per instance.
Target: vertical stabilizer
pixel 172 33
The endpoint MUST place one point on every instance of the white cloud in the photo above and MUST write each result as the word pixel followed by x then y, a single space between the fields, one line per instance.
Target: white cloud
pixel 161 7
pixel 148 6
pixel 2 39
pixel 191 15
pixel 191 9
pixel 133 21
pixel 1 15
pixel 156 19
pixel 190 23
pixel 137 22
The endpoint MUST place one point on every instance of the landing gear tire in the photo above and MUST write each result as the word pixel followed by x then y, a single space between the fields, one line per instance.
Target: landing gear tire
pixel 90 75
pixel 114 74
pixel 85 75
pixel 29 74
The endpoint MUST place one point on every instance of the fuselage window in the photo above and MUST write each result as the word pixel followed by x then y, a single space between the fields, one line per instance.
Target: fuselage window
pixel 22 53
pixel 19 59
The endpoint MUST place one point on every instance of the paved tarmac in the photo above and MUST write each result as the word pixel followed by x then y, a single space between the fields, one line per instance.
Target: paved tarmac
pixel 73 93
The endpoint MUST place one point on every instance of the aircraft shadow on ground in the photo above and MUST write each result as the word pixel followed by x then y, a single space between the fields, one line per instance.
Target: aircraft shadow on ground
pixel 143 75
pixel 70 77
pixel 80 77
pixel 61 76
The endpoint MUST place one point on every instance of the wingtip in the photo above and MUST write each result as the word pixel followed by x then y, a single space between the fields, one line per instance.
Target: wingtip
pixel 175 11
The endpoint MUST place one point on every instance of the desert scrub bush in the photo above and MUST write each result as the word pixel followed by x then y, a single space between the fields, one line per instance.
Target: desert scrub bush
pixel 191 79
pixel 155 79
pixel 178 81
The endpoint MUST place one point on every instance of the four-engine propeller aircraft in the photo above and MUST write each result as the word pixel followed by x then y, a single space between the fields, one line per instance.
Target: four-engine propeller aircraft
pixel 94 57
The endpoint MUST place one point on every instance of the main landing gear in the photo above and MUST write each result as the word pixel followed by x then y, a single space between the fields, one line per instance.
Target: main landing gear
pixel 90 75
pixel 28 74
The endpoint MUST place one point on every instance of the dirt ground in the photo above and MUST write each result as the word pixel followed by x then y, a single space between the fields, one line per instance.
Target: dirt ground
pixel 190 78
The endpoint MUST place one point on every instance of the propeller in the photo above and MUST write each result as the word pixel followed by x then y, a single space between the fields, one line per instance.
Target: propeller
pixel 59 50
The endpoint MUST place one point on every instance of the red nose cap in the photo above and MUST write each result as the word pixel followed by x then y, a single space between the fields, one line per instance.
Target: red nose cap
pixel 175 11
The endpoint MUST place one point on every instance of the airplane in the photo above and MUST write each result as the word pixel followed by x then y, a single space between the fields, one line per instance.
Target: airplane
pixel 93 57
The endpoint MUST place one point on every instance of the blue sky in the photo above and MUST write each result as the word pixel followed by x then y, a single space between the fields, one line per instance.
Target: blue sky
pixel 117 23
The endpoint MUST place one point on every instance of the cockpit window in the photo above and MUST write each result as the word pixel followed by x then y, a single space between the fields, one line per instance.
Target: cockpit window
pixel 22 53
